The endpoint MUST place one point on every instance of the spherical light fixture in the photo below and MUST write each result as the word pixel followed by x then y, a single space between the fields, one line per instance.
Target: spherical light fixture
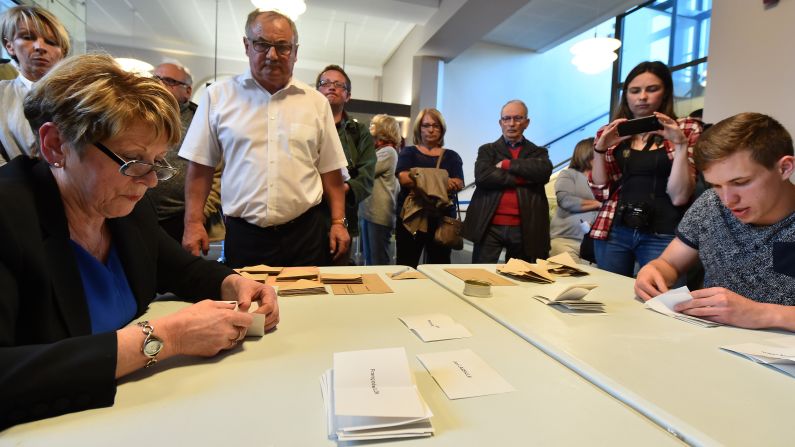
pixel 595 55
pixel 290 8
pixel 135 65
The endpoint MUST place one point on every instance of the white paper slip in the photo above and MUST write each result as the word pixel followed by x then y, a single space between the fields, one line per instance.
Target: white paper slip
pixel 778 353
pixel 569 296
pixel 433 327
pixel 375 382
pixel 665 302
pixel 463 374
pixel 257 326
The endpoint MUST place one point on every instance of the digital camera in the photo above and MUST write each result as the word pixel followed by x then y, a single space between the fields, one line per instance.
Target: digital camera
pixel 635 215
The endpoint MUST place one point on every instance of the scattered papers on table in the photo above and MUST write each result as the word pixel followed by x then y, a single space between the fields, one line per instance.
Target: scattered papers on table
pixel 479 275
pixel 257 326
pixel 525 271
pixel 371 284
pixel 260 269
pixel 341 278
pixel 664 304
pixel 302 287
pixel 776 352
pixel 371 395
pixel 433 327
pixel 570 296
pixel 292 274
pixel 563 265
pixel 407 273
pixel 463 374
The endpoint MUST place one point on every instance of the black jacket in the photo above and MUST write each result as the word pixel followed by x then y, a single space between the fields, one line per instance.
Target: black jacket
pixel 534 167
pixel 50 363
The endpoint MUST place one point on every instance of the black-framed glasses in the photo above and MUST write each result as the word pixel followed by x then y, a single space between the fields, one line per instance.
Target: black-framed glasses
pixel 171 82
pixel 136 168
pixel 430 126
pixel 335 84
pixel 516 118
pixel 263 46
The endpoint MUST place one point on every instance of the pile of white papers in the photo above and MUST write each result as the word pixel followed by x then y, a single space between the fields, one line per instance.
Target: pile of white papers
pixel 664 304
pixel 778 353
pixel 433 327
pixel 371 395
pixel 570 297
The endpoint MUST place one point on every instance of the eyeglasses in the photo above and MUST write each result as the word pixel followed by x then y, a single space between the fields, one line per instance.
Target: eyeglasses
pixel 263 46
pixel 430 126
pixel 137 168
pixel 171 82
pixel 516 118
pixel 335 84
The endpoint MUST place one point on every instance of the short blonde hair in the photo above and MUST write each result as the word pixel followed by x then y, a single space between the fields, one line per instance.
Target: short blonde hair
pixel 91 98
pixel 38 19
pixel 386 128
pixel 582 156
pixel 437 116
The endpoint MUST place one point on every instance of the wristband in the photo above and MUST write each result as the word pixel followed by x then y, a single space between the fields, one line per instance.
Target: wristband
pixel 600 152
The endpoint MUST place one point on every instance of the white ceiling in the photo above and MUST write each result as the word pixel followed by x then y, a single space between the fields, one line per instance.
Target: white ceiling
pixel 364 33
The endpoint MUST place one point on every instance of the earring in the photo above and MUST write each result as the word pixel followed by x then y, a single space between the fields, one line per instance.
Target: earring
pixel 56 164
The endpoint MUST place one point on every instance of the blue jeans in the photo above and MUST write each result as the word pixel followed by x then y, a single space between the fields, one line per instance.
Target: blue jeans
pixel 376 239
pixel 624 246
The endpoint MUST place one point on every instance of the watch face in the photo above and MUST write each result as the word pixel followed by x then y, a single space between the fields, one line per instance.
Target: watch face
pixel 152 347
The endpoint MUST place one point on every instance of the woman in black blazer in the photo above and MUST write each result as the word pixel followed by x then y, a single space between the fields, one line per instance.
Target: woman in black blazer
pixel 83 255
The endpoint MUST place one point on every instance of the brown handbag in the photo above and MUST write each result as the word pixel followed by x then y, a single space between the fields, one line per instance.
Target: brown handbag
pixel 448 233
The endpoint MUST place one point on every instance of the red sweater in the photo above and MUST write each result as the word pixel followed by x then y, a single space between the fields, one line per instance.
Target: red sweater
pixel 507 212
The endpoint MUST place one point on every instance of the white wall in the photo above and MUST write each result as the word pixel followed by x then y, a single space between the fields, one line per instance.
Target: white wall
pixel 479 81
pixel 751 63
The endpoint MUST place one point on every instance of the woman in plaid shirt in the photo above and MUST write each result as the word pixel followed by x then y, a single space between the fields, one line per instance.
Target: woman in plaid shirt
pixel 645 181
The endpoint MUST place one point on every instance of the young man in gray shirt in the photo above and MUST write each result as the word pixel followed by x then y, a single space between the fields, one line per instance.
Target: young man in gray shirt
pixel 743 229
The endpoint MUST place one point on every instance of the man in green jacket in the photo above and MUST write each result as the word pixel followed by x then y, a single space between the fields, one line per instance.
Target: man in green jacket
pixel 356 141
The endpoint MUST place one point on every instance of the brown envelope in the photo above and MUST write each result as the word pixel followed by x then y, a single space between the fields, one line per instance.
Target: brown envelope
pixel 292 274
pixel 479 275
pixel 302 287
pixel 341 278
pixel 566 265
pixel 371 284
pixel 262 269
pixel 259 277
pixel 526 271
pixel 410 274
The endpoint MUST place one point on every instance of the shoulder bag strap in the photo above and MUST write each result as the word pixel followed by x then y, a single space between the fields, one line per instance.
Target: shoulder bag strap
pixel 439 160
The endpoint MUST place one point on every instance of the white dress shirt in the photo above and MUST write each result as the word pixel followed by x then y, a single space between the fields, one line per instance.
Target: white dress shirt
pixel 275 147
pixel 15 132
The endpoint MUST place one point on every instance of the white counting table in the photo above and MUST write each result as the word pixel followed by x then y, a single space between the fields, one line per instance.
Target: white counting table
pixel 669 370
pixel 267 391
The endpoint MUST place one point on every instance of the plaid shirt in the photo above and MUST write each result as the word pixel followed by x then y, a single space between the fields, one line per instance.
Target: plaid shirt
pixel 610 192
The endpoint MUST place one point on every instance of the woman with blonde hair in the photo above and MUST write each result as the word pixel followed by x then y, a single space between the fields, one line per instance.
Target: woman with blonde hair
pixel 83 254
pixel 377 212
pixel 36 40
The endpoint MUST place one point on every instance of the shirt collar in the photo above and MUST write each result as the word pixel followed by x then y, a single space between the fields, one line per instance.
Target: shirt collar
pixel 519 143
pixel 27 83
pixel 248 78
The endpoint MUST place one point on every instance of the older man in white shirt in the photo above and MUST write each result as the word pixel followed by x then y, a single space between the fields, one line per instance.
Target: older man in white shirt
pixel 282 154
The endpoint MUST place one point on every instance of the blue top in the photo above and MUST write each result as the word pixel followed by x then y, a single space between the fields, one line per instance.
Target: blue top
pixel 111 304
pixel 411 157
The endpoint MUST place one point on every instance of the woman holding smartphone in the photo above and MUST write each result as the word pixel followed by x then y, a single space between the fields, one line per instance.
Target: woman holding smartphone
pixel 645 180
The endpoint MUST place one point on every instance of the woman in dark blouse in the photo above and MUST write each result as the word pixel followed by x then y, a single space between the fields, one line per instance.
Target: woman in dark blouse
pixel 429 130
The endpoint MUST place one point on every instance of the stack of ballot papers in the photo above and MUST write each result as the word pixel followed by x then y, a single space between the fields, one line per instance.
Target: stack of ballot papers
pixel 260 269
pixel 525 271
pixel 562 265
pixel 778 353
pixel 664 304
pixel 569 296
pixel 294 274
pixel 371 395
pixel 302 287
pixel 341 278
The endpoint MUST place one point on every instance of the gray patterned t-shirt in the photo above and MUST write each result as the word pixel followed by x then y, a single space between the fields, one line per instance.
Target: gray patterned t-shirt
pixel 757 262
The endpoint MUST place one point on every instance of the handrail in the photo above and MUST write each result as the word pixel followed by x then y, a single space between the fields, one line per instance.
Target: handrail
pixel 565 162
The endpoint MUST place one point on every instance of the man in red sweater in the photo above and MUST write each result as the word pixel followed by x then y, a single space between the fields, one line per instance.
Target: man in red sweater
pixel 509 208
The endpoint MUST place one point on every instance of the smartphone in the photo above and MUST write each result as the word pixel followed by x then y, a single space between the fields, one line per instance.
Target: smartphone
pixel 639 125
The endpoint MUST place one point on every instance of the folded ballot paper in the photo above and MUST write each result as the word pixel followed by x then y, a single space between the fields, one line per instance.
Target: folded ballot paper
pixel 569 296
pixel 371 395
pixel 525 271
pixel 778 353
pixel 562 265
pixel 665 302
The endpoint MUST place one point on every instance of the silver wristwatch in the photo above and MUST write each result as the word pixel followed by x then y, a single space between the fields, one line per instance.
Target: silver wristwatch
pixel 151 345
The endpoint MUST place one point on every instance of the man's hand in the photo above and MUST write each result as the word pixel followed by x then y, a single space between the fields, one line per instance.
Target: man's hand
pixel 650 282
pixel 245 291
pixel 195 239
pixel 724 306
pixel 338 240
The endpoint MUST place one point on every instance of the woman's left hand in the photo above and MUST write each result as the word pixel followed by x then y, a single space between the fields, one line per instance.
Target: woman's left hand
pixel 455 184
pixel 670 130
pixel 244 291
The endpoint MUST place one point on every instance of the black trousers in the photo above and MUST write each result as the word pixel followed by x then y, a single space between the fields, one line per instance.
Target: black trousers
pixel 408 248
pixel 300 242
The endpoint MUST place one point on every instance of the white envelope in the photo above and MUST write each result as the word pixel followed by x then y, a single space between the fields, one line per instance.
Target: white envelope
pixel 433 327
pixel 463 374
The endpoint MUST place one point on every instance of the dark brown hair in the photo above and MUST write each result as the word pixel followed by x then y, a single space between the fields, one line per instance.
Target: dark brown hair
pixel 582 156
pixel 658 69
pixel 336 68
